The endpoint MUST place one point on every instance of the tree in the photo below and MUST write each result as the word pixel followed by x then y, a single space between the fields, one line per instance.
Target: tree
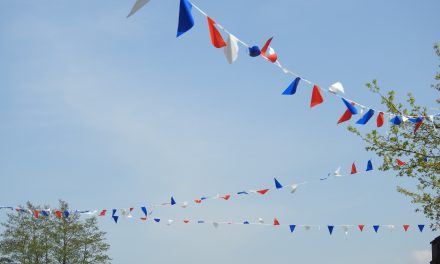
pixel 417 143
pixel 58 237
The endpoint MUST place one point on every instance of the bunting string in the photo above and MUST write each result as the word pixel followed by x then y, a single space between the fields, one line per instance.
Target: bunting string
pixel 148 210
pixel 186 22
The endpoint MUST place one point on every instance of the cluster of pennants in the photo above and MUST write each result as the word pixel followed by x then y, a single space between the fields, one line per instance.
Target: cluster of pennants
pixel 127 212
pixel 231 51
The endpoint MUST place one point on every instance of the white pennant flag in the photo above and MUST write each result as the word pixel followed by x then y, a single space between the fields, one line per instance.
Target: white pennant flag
pixel 231 49
pixel 294 187
pixel 337 172
pixel 260 220
pixel 336 87
pixel 138 5
pixel 215 224
pixel 184 204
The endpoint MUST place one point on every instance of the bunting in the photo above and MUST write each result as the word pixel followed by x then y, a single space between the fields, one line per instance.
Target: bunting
pixel 186 20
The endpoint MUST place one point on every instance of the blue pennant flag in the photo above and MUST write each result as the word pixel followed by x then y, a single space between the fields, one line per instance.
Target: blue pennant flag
pixel 369 166
pixel 45 213
pixel 115 217
pixel 66 214
pixel 157 220
pixel 242 192
pixel 173 202
pixel 376 228
pixel 415 120
pixel 292 228
pixel 350 107
pixel 421 227
pixel 277 184
pixel 292 87
pixel 203 198
pixel 200 222
pixel 245 223
pixel 397 120
pixel 144 210
pixel 330 229
pixel 254 51
pixel 186 20
pixel 366 117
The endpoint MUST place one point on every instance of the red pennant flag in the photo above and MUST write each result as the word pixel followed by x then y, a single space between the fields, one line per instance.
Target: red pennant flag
pixel 59 214
pixel 353 168
pixel 345 117
pixel 276 222
pixel 400 163
pixel 186 221
pixel 380 119
pixel 271 57
pixel 102 213
pixel 216 38
pixel 36 214
pixel 405 227
pixel 361 227
pixel 262 192
pixel 316 96
pixel 143 218
pixel 198 201
pixel 226 197
pixel 417 126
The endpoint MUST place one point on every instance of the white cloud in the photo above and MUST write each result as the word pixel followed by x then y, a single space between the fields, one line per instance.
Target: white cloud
pixel 421 256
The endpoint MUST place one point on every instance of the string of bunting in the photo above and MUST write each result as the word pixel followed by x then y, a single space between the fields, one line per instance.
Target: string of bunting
pixel 148 210
pixel 231 51
pixel 292 227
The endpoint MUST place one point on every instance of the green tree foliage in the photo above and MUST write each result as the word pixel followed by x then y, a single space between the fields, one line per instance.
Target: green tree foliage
pixel 420 150
pixel 50 239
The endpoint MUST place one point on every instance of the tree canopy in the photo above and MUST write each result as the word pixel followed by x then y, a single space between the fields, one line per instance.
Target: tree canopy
pixel 417 143
pixel 50 238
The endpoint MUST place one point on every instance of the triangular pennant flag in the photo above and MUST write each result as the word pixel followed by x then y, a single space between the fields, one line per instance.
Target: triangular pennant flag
pixel 350 106
pixel 138 5
pixel 277 184
pixel 361 227
pixel 186 20
pixel 271 57
pixel 421 227
pixel 226 197
pixel 292 87
pixel 186 221
pixel 157 220
pixel 405 227
pixel 336 87
pixel 245 222
pixel 366 117
pixel 345 117
pixel 417 126
pixel 353 168
pixel 173 202
pixel 262 192
pixel 231 49
pixel 215 224
pixel 115 218
pixel 276 222
pixel 254 51
pixel 400 163
pixel 369 166
pixel 380 119
pixel 416 120
pixel 45 213
pixel 316 96
pixel 376 228
pixel 198 201
pixel 102 213
pixel 293 188
pixel 58 214
pixel 330 229
pixel 292 228
pixel 216 38
pixel 66 214
pixel 397 120
pixel 36 214
pixel 144 210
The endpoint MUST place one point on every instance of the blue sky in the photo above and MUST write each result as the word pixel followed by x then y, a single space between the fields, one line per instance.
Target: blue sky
pixel 108 112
